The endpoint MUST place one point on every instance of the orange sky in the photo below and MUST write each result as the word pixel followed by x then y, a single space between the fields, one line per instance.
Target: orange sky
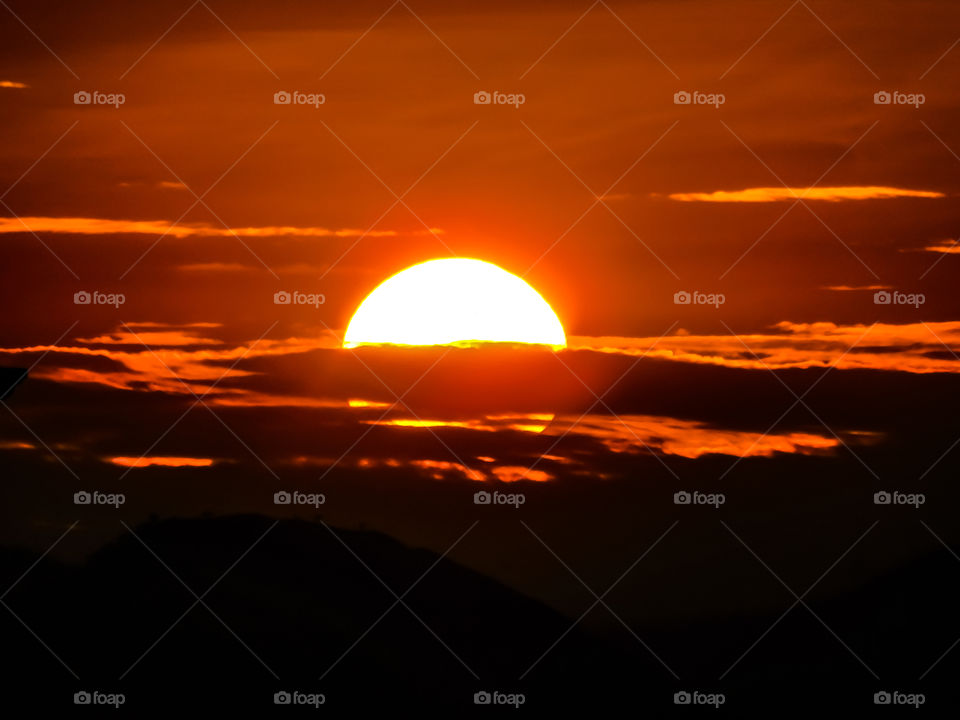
pixel 621 166
pixel 250 197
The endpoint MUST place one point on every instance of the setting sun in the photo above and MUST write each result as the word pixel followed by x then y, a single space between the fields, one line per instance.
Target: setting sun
pixel 454 301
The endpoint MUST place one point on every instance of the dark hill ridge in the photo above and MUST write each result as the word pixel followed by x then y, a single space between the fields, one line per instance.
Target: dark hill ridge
pixel 299 600
pixel 302 605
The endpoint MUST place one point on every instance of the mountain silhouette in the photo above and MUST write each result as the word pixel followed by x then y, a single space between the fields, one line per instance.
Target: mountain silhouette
pixel 300 606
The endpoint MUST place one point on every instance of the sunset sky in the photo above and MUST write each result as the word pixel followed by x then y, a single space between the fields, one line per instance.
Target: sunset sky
pixel 744 215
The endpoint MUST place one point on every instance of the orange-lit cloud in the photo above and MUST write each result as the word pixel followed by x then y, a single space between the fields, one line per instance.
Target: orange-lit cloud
pixel 246 398
pixel 439 469
pixel 152 338
pixel 778 194
pixel 103 226
pixel 687 438
pixel 944 248
pixel 636 433
pixel 910 347
pixel 12 84
pixel 521 422
pixel 446 469
pixel 355 403
pixel 515 473
pixel 183 352
pixel 157 461
pixel 158 368
pixel 162 185
pixel 853 288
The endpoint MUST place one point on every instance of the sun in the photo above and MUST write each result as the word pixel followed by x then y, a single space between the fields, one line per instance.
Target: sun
pixel 454 301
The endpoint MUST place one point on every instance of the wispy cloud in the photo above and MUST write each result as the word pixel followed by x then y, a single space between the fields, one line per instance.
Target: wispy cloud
pixel 853 288
pixel 829 194
pixel 522 422
pixel 104 226
pixel 12 84
pixel 449 470
pixel 921 347
pixel 153 338
pixel 628 433
pixel 162 185
pixel 951 248
pixel 687 438
pixel 178 362
pixel 161 461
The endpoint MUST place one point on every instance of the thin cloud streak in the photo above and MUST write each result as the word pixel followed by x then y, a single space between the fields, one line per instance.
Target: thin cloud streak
pixel 781 194
pixel 944 249
pixel 855 288
pixel 104 226
pixel 161 461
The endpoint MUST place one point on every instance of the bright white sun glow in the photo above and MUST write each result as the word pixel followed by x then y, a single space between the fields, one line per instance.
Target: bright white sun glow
pixel 454 301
